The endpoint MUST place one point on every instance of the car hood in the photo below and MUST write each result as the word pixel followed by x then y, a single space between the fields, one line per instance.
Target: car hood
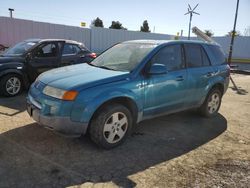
pixel 4 59
pixel 80 77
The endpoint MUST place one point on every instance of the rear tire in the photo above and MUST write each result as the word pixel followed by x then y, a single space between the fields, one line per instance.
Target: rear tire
pixel 11 85
pixel 212 103
pixel 111 125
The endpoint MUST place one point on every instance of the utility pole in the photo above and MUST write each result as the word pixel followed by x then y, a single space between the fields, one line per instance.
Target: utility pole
pixel 233 35
pixel 231 45
pixel 11 10
pixel 191 12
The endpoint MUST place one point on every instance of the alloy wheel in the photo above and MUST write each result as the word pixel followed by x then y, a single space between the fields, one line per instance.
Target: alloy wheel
pixel 13 85
pixel 115 127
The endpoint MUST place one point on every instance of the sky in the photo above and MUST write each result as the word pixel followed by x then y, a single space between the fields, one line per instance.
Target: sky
pixel 164 16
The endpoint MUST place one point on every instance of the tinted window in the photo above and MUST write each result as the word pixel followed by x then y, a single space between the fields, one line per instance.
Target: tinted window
pixel 70 49
pixel 171 56
pixel 205 59
pixel 46 50
pixel 193 55
pixel 219 56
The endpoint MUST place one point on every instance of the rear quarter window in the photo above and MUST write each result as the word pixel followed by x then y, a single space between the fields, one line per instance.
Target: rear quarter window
pixel 219 56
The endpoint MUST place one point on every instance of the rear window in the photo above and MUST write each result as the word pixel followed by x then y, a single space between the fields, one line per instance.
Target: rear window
pixel 219 56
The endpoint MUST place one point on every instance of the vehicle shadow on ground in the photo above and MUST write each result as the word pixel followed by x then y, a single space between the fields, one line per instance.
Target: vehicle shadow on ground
pixel 31 156
pixel 13 105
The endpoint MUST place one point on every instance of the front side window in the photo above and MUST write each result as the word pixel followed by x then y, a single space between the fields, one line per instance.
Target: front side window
pixel 193 55
pixel 123 57
pixel 46 50
pixel 171 56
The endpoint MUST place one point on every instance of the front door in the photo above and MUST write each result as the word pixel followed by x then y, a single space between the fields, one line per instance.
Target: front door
pixel 166 92
pixel 45 57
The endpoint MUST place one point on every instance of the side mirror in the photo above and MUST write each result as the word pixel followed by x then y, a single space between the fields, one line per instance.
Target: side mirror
pixel 157 69
pixel 28 56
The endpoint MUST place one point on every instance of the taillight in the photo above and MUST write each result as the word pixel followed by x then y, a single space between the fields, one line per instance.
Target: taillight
pixel 92 55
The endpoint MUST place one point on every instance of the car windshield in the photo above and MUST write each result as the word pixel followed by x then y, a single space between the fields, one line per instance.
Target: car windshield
pixel 123 57
pixel 19 49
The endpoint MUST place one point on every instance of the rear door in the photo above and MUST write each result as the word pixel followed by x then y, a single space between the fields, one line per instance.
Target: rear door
pixel 70 54
pixel 199 70
pixel 166 92
pixel 44 57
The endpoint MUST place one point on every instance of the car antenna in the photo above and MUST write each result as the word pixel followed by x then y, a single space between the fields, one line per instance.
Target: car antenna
pixel 191 12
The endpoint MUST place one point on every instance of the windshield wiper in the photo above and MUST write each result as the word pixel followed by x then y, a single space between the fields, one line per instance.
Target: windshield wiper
pixel 102 67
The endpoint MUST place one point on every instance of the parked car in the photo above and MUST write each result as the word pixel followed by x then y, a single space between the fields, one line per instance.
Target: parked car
pixel 130 82
pixel 21 64
pixel 2 48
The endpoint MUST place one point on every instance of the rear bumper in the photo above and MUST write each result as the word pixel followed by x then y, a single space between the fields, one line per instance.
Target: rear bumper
pixel 62 125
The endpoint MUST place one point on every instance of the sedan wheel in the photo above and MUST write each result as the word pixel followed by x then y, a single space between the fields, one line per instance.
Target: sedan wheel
pixel 13 85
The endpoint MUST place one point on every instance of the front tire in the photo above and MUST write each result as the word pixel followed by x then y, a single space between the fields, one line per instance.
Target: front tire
pixel 111 125
pixel 211 105
pixel 11 85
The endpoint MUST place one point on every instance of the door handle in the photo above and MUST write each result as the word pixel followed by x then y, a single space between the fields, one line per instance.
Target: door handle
pixel 179 78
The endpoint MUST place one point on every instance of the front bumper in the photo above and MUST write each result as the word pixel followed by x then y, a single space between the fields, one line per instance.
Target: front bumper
pixel 62 125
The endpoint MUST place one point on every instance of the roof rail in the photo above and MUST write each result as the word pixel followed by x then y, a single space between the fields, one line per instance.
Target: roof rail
pixel 202 35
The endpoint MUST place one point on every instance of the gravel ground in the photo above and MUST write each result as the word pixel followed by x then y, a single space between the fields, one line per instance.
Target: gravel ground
pixel 179 150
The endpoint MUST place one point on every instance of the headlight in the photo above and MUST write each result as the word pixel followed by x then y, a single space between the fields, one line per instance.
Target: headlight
pixel 60 93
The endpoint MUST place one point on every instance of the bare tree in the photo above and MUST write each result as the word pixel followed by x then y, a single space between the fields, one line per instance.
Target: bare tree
pixel 247 31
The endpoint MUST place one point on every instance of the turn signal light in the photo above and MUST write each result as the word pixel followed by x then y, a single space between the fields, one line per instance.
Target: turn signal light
pixel 70 95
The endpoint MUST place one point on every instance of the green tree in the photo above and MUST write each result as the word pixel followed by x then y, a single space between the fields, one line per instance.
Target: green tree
pixel 209 33
pixel 145 27
pixel 230 33
pixel 97 22
pixel 117 25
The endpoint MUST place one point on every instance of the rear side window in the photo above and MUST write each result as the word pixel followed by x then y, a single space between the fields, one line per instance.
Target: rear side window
pixel 196 56
pixel 219 56
pixel 70 49
pixel 193 55
pixel 171 56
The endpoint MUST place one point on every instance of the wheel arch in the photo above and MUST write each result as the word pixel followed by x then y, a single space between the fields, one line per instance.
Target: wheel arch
pixel 219 86
pixel 129 103
pixel 17 72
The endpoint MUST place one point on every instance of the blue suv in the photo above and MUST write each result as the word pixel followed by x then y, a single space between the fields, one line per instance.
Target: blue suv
pixel 128 83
